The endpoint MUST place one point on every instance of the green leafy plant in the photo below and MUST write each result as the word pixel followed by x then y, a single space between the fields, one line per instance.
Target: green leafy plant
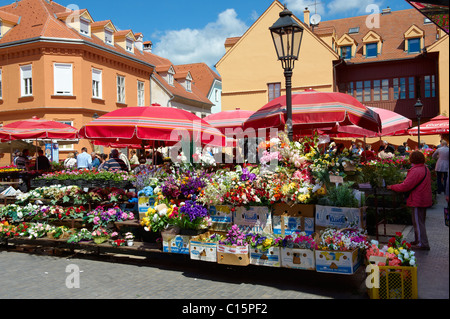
pixel 340 196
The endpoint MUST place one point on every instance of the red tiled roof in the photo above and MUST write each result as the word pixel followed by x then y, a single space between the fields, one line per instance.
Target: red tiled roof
pixel 38 19
pixel 9 17
pixel 392 28
pixel 202 75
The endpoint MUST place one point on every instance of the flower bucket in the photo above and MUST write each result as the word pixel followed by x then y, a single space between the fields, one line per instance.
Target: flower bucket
pixel 100 240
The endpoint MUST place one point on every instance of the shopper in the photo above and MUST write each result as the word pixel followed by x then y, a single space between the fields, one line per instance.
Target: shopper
pixel 84 160
pixel 418 184
pixel 95 160
pixel 402 149
pixel 134 160
pixel 124 158
pixel 368 154
pixel 23 162
pixel 114 162
pixel 42 162
pixel 70 162
pixel 442 156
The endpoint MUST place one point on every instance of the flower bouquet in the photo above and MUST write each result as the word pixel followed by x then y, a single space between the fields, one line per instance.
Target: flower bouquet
pixel 192 216
pixel 159 217
pixel 396 253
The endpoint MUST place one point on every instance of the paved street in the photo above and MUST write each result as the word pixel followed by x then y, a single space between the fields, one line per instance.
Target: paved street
pixel 29 276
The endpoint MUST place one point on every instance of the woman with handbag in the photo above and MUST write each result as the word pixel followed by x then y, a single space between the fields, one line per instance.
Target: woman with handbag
pixel 418 184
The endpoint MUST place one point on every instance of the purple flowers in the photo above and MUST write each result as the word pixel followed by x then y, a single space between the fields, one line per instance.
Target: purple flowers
pixel 234 237
pixel 192 210
pixel 247 176
pixel 101 216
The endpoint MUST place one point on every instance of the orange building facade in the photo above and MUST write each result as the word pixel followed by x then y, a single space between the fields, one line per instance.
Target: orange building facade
pixel 66 71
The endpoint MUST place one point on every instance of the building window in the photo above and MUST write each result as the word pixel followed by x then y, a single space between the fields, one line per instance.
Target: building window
pixel 1 91
pixel 376 90
pixel 84 26
pixel 216 93
pixel 414 45
pixel 359 91
pixel 66 147
pixel 346 52
pixel 108 36
pixel 399 85
pixel 430 86
pixel 371 50
pixel 141 93
pixel 97 83
pixel 353 30
pixel 411 88
pixel 170 78
pixel 274 90
pixel 188 86
pixel 350 89
pixel 120 89
pixel 26 80
pixel 63 79
pixel 367 88
pixel 129 45
pixel 385 89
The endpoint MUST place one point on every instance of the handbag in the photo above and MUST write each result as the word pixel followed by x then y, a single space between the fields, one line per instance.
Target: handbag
pixel 406 194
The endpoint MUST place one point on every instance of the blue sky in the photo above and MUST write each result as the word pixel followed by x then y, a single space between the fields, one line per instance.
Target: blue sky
pixel 195 31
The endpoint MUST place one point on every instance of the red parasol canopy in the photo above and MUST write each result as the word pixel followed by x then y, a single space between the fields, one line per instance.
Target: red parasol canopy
pixel 228 119
pixel 437 125
pixel 312 110
pixel 133 125
pixel 36 128
pixel 392 124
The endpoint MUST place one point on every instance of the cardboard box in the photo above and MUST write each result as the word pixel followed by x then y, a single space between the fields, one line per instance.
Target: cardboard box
pixel 221 217
pixel 339 217
pixel 297 258
pixel 293 219
pixel 199 249
pixel 144 203
pixel 233 255
pixel 269 257
pixel 175 243
pixel 255 219
pixel 338 262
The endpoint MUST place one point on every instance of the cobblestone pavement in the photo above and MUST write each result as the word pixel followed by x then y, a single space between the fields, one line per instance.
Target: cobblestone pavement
pixel 166 276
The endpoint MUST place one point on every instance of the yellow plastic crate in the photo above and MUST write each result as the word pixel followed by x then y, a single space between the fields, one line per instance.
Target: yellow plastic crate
pixel 395 283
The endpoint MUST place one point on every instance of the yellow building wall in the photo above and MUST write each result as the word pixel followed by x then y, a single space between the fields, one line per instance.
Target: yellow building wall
pixel 248 67
pixel 443 48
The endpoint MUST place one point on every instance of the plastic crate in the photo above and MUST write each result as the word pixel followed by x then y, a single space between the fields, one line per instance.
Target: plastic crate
pixel 395 283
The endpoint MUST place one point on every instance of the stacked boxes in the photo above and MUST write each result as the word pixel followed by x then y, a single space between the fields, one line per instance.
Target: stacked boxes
pixel 293 219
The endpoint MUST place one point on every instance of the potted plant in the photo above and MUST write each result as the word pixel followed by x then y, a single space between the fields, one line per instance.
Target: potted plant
pixel 100 235
pixel 129 237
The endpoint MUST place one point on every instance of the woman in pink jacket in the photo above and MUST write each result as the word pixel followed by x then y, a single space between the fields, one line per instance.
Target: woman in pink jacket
pixel 418 183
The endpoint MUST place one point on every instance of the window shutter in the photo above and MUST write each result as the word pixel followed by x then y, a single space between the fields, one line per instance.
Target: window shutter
pixel 108 36
pixel 84 26
pixel 63 79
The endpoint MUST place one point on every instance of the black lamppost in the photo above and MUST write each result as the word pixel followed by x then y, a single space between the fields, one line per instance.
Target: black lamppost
pixel 419 108
pixel 287 37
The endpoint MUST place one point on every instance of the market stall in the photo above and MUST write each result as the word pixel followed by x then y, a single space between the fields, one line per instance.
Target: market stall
pixel 300 208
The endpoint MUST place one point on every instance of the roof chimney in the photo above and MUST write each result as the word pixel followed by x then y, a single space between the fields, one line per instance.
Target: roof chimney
pixel 306 16
pixel 386 11
pixel 139 42
pixel 147 46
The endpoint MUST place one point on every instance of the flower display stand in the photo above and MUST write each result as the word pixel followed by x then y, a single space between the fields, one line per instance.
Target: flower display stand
pixel 233 255
pixel 297 258
pixel 269 257
pixel 395 282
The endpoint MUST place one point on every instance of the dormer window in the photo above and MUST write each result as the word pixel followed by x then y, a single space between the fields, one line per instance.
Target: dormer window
pixel 353 30
pixel 414 45
pixel 371 50
pixel 170 78
pixel 84 26
pixel 129 45
pixel 414 39
pixel 346 52
pixel 109 36
pixel 188 85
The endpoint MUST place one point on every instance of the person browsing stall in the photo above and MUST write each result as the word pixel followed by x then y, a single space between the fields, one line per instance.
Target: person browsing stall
pixel 115 163
pixel 84 160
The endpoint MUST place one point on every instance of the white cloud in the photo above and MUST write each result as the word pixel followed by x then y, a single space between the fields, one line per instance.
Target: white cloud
pixel 359 6
pixel 200 45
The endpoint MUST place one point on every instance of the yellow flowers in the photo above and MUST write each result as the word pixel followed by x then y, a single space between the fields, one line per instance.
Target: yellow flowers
pixel 321 191
pixel 268 242
pixel 303 197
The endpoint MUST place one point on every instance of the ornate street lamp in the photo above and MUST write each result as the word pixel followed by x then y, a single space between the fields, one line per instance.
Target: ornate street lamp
pixel 419 108
pixel 287 37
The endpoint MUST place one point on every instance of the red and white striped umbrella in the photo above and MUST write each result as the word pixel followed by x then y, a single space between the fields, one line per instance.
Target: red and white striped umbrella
pixel 437 125
pixel 392 124
pixel 314 110
pixel 36 128
pixel 228 119
pixel 133 125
